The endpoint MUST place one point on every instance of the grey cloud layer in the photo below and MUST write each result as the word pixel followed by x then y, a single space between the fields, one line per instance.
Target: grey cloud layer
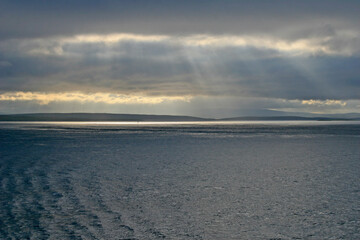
pixel 168 67
pixel 260 53
pixel 22 18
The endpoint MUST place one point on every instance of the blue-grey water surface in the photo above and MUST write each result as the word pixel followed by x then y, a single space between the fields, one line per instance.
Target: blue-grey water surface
pixel 172 181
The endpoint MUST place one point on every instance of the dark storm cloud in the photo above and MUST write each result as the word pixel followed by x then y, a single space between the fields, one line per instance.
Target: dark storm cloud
pixel 284 18
pixel 258 54
pixel 168 68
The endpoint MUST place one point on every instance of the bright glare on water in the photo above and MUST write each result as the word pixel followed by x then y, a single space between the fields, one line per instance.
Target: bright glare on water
pixel 233 180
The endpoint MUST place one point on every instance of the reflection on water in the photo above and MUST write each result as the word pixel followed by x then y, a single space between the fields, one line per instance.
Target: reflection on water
pixel 278 180
pixel 198 123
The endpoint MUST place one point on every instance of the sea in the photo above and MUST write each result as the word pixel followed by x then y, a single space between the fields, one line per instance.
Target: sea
pixel 180 180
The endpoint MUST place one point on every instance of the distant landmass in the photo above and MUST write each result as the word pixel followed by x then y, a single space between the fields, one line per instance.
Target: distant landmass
pixel 286 118
pixel 154 118
pixel 96 117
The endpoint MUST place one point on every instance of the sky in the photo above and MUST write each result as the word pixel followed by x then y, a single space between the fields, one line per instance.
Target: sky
pixel 202 58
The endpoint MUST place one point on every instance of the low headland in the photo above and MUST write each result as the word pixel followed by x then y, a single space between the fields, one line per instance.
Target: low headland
pixel 94 117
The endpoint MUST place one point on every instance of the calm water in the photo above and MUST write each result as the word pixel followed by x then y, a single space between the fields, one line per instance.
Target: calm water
pixel 277 180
